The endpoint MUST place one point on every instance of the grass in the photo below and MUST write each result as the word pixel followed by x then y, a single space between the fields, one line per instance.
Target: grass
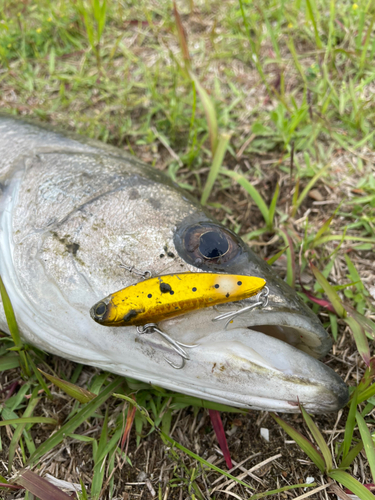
pixel 265 111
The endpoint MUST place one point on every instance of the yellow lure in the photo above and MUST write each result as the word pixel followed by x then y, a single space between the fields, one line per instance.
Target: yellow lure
pixel 163 297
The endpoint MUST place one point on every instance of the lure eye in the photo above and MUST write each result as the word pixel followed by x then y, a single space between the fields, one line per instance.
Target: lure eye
pixel 100 310
pixel 208 245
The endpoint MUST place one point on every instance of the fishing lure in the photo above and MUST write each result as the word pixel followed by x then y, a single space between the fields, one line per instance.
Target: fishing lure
pixel 163 297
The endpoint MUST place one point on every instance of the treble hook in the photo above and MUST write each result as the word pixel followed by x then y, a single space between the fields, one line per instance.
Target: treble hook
pixel 262 301
pixel 177 346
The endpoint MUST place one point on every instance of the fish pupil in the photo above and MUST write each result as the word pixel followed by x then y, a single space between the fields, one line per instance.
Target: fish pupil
pixel 213 245
pixel 100 309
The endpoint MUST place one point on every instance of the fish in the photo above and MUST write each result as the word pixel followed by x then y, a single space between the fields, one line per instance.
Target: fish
pixel 80 219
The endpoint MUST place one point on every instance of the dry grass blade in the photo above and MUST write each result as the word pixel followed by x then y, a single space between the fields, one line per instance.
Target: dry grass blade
pixel 313 492
pixel 182 37
pixel 129 423
pixel 40 487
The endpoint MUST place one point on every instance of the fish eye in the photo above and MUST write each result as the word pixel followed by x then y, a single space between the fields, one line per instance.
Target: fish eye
pixel 213 245
pixel 207 244
pixel 100 309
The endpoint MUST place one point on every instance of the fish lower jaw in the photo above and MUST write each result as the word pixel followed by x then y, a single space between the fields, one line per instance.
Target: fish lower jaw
pixel 263 372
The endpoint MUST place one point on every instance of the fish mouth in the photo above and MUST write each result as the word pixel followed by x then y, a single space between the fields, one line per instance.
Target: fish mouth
pixel 267 360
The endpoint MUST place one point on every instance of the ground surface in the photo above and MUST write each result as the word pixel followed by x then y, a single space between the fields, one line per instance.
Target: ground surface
pixel 293 84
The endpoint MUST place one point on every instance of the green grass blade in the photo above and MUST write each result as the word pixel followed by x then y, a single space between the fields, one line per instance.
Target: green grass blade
pixel 317 435
pixel 367 324
pixel 277 255
pixel 367 443
pixel 99 468
pixel 291 259
pixel 349 426
pixel 313 20
pixel 257 197
pixel 183 401
pixel 302 442
pixel 330 34
pixel 13 327
pixel 366 394
pixel 215 167
pixel 100 18
pixel 210 113
pixel 339 237
pixel 330 292
pixel 38 376
pixel 354 275
pixel 295 198
pixel 270 493
pixel 272 209
pixel 352 484
pixel 76 392
pixel 9 313
pixel 9 361
pixel 347 461
pixel 297 64
pixel 28 420
pixel 360 338
pixel 334 325
pixel 367 42
pixel 324 228
pixel 76 421
pixel 310 185
pixel 19 429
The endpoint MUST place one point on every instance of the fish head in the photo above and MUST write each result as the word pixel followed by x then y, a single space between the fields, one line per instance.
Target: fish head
pixel 80 220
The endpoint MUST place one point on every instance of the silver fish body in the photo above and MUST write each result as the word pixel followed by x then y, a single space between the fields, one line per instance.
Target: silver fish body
pixel 73 210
